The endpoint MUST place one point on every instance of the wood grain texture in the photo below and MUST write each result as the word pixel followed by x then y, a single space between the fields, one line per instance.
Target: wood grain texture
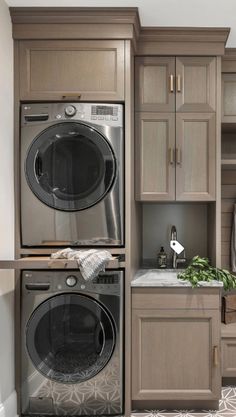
pixel 196 144
pixel 228 98
pixel 197 84
pixel 51 69
pixel 229 356
pixel 155 140
pixel 152 82
pixel 172 355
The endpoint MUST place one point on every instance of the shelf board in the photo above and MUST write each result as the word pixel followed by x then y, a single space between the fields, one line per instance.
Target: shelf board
pixel 228 163
pixel 45 262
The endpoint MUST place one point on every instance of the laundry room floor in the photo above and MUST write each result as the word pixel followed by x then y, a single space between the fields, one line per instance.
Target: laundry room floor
pixel 227 408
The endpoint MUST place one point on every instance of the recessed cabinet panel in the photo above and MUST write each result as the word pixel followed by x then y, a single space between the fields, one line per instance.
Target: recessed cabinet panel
pixel 195 160
pixel 155 134
pixel 155 84
pixel 195 84
pixel 229 98
pixel 175 354
pixel 52 69
pixel 229 357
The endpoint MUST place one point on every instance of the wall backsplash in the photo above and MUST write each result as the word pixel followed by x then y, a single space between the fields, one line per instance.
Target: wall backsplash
pixel 190 221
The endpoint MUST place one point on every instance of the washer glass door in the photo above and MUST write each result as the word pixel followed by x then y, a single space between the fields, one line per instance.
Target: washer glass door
pixel 70 338
pixel 70 166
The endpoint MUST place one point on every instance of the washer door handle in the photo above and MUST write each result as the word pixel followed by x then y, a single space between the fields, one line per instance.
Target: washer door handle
pixel 34 286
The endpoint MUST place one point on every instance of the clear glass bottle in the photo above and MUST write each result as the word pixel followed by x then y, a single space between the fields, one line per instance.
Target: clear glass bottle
pixel 162 258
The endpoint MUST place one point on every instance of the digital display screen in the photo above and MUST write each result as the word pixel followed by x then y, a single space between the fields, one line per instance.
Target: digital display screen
pixel 104 111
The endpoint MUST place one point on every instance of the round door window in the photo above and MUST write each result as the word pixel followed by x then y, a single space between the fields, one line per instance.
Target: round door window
pixel 70 338
pixel 70 166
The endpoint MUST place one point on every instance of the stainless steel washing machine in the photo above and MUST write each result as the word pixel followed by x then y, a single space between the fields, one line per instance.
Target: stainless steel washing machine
pixel 72 174
pixel 72 344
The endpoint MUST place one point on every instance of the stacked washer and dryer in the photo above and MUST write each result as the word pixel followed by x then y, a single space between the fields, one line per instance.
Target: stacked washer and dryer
pixel 72 194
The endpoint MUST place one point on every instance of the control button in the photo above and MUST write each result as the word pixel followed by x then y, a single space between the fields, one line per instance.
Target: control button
pixel 94 117
pixel 58 116
pixel 71 281
pixel 70 111
pixel 100 118
pixel 114 118
pixel 107 118
pixel 82 287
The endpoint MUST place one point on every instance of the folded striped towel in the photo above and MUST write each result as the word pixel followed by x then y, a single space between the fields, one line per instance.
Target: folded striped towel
pixel 90 262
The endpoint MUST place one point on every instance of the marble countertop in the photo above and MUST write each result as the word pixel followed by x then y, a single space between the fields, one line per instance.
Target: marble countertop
pixel 166 278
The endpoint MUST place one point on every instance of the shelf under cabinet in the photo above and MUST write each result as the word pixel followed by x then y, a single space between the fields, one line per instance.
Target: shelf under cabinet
pixel 45 262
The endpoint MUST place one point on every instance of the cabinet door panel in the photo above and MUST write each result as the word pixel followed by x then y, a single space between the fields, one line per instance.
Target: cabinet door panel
pixel 173 355
pixel 196 88
pixel 51 69
pixel 153 80
pixel 229 98
pixel 155 170
pixel 229 357
pixel 195 161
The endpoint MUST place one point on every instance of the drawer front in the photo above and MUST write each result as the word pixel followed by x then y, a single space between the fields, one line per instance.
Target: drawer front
pixel 153 298
pixel 228 348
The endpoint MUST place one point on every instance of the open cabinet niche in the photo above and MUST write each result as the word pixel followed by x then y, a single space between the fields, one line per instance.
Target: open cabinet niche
pixel 228 189
pixel 195 224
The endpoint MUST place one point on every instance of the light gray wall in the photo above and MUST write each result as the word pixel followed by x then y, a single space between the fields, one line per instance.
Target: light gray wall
pixel 7 383
pixel 190 221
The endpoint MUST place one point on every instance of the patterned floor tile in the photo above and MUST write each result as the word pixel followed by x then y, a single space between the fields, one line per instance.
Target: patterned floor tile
pixel 227 408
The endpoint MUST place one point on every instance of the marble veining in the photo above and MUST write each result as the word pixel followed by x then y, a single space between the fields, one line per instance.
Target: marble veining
pixel 167 278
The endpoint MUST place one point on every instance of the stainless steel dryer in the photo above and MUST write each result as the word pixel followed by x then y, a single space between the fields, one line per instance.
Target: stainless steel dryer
pixel 72 174
pixel 72 344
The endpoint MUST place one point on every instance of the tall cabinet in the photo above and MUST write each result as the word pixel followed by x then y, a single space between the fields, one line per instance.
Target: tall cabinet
pixel 176 128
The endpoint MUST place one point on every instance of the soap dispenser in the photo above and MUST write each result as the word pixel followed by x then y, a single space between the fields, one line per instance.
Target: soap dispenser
pixel 162 258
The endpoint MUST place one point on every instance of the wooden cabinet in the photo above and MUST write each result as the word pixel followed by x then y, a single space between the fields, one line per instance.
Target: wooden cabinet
pixel 229 98
pixel 185 154
pixel 155 146
pixel 196 156
pixel 90 70
pixel 175 345
pixel 175 158
pixel 169 84
pixel 155 84
pixel 228 349
pixel 195 84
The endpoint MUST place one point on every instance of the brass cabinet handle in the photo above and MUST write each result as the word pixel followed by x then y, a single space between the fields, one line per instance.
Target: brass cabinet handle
pixel 171 155
pixel 179 83
pixel 72 96
pixel 171 83
pixel 215 356
pixel 178 156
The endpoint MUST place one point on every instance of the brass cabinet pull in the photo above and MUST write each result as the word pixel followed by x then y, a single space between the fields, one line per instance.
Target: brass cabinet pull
pixel 215 356
pixel 178 156
pixel 179 83
pixel 71 96
pixel 171 155
pixel 171 83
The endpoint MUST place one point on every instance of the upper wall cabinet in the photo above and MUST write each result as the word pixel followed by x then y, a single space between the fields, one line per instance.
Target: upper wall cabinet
pixel 90 70
pixel 196 84
pixel 155 84
pixel 184 84
pixel 229 98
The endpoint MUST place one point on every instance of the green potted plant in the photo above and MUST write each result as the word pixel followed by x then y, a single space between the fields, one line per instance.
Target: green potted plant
pixel 200 269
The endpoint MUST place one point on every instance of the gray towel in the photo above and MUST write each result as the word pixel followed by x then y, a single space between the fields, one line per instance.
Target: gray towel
pixel 90 262
pixel 233 242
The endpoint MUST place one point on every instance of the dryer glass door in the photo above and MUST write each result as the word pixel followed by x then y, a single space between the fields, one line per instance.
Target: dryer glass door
pixel 70 338
pixel 70 166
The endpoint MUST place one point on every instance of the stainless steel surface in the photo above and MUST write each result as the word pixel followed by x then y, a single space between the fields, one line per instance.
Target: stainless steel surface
pixel 176 260
pixel 62 396
pixel 99 225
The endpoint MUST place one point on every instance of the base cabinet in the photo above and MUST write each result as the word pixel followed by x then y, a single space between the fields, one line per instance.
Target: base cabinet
pixel 175 351
pixel 228 349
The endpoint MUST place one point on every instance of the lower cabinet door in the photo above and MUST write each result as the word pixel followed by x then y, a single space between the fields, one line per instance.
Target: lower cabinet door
pixel 229 357
pixel 175 355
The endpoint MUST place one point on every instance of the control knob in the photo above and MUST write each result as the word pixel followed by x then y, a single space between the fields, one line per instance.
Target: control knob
pixel 70 111
pixel 71 281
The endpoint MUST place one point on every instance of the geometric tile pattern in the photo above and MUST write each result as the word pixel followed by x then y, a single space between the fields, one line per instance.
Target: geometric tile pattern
pixel 100 395
pixel 227 408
